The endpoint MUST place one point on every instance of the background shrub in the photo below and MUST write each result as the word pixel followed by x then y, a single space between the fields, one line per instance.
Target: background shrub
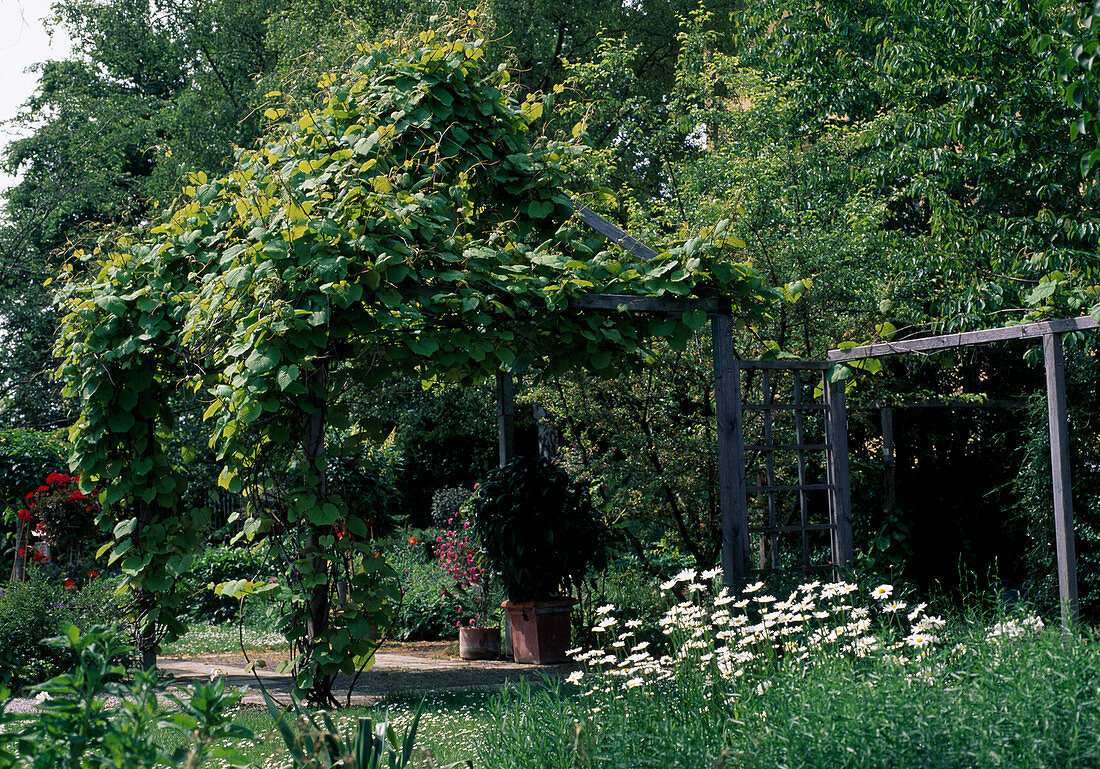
pixel 30 612
pixel 447 502
pixel 26 457
pixel 426 614
pixel 221 564
pixel 368 482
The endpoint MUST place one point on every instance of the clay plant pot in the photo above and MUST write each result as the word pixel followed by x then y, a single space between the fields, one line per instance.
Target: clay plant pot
pixel 479 643
pixel 541 630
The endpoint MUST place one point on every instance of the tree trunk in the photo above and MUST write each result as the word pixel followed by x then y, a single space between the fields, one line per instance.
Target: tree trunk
pixel 317 620
pixel 19 568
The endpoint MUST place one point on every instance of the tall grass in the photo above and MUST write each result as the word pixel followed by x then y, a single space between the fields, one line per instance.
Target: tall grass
pixel 840 679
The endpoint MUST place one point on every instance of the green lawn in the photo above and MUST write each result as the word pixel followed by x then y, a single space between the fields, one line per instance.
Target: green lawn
pixel 223 638
pixel 450 727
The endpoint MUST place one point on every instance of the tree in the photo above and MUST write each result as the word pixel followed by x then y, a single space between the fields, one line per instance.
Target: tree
pixel 162 88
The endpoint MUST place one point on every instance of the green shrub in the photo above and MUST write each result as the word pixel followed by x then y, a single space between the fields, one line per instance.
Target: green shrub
pixel 30 612
pixel 447 503
pixel 223 563
pixel 368 482
pixel 538 528
pixel 445 436
pixel 26 457
pixel 427 612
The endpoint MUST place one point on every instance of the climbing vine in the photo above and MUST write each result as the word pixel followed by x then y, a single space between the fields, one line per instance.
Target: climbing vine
pixel 409 219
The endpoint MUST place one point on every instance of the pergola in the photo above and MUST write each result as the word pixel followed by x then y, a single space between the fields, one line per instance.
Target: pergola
pixel 1050 332
pixel 730 408
pixel 827 441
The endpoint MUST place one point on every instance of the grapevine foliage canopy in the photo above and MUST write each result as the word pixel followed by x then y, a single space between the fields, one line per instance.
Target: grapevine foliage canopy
pixel 408 219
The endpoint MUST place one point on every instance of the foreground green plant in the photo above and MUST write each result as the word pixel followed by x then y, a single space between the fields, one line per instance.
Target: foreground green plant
pixel 76 727
pixel 319 743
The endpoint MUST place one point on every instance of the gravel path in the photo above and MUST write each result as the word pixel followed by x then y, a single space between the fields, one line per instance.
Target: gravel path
pixel 407 668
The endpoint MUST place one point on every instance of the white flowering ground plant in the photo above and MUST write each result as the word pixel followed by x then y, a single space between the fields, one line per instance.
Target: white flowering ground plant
pixel 717 634
pixel 824 675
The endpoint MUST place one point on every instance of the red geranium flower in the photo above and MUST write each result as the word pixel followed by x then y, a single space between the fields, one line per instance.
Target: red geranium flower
pixel 22 551
pixel 77 495
pixel 24 515
pixel 53 478
pixel 42 488
pixel 93 574
pixel 412 540
pixel 30 496
pixel 69 583
pixel 38 557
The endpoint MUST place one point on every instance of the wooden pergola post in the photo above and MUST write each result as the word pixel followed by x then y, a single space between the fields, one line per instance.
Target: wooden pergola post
pixel 731 461
pixel 840 503
pixel 506 413
pixel 1064 549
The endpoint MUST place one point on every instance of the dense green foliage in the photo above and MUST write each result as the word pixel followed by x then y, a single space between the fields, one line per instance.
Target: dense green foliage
pixel 31 611
pixel 537 528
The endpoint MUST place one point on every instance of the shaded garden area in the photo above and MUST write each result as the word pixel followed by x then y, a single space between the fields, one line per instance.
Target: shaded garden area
pixel 452 314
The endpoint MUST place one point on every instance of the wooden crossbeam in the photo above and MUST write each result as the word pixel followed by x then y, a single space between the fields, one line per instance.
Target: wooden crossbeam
pixel 786 364
pixel 965 338
pixel 665 305
pixel 613 233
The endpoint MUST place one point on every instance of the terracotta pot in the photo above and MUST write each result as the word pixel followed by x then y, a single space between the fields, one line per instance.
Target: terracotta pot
pixel 479 643
pixel 541 630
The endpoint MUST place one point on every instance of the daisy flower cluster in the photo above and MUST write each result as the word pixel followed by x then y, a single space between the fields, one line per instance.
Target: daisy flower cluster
pixel 1016 628
pixel 723 634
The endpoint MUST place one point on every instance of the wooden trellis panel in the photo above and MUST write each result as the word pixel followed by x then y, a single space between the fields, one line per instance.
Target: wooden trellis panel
pixel 795 501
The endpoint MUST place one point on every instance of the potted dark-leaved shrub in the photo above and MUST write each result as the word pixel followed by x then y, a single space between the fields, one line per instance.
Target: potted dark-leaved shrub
pixel 541 536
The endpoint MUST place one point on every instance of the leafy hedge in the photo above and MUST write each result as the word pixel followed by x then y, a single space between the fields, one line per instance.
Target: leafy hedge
pixel 216 565
pixel 30 612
